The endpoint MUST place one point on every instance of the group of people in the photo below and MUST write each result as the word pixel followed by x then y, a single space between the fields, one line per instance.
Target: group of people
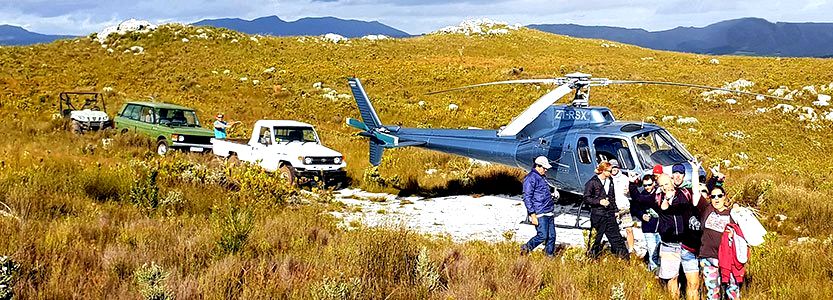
pixel 687 225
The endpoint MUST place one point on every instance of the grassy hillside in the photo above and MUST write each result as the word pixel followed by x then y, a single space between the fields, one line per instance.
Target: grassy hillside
pixel 86 221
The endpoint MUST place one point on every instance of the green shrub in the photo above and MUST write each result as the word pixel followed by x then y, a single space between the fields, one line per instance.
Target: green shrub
pixel 145 192
pixel 151 281
pixel 234 225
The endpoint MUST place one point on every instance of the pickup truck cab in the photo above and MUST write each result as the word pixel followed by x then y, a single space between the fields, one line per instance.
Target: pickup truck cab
pixel 290 147
pixel 171 126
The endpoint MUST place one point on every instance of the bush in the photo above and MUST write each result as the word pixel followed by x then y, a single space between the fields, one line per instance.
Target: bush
pixel 235 224
pixel 8 274
pixel 151 280
pixel 145 192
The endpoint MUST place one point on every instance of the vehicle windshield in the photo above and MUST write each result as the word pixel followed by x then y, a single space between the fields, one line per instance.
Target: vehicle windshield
pixel 178 117
pixel 295 134
pixel 659 147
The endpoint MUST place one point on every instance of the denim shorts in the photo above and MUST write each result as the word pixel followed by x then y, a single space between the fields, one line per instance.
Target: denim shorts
pixel 690 262
pixel 670 257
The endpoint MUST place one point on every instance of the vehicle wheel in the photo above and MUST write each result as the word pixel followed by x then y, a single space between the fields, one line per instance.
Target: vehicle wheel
pixel 287 172
pixel 162 147
pixel 75 127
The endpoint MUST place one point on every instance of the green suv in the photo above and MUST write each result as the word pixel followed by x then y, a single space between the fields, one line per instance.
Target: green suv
pixel 172 126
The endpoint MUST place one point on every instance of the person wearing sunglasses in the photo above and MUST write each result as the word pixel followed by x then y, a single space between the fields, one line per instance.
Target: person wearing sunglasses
pixel 715 215
pixel 644 207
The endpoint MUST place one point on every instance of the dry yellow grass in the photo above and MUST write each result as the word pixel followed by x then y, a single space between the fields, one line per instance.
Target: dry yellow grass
pixel 81 235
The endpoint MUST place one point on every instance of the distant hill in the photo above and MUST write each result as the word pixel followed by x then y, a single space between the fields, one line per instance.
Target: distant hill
pixel 306 26
pixel 13 35
pixel 747 36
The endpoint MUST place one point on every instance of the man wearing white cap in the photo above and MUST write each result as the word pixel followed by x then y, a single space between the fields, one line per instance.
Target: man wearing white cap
pixel 539 207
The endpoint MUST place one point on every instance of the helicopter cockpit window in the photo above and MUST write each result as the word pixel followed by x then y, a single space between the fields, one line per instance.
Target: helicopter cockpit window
pixel 659 147
pixel 608 148
pixel 583 150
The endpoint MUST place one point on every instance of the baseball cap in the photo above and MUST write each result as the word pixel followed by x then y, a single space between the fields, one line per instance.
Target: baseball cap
pixel 613 163
pixel 678 168
pixel 657 169
pixel 219 116
pixel 543 161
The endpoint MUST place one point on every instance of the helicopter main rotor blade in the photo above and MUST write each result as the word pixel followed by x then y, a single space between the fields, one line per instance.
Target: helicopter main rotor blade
pixel 517 81
pixel 534 110
pixel 691 86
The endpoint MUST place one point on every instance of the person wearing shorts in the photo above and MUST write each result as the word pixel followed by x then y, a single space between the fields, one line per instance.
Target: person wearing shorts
pixel 672 203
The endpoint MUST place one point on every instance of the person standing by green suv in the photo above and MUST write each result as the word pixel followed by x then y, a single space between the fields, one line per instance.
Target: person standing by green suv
pixel 220 127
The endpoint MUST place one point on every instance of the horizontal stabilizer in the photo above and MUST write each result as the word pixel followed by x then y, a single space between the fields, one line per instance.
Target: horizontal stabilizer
pixel 357 124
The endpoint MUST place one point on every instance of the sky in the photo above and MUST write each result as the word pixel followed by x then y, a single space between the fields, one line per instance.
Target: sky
pixel 83 17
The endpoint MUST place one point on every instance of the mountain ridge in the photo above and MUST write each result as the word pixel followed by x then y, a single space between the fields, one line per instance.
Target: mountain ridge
pixel 744 36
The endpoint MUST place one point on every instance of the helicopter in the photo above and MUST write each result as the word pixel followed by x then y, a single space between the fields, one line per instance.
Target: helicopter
pixel 575 137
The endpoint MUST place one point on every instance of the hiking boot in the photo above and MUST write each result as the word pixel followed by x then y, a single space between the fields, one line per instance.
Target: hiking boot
pixel 524 251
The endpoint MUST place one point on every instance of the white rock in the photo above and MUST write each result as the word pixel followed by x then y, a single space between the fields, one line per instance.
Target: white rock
pixel 244 78
pixel 714 61
pixel 254 39
pixel 453 107
pixel 737 134
pixel 760 98
pixel 727 162
pixel 375 37
pixel 226 72
pixel 822 100
pixel 344 96
pixel 687 120
pixel 107 89
pixel 810 89
pixel 130 25
pixel 185 40
pixel 421 103
pixel 110 50
pixel 668 118
pixel 430 171
pixel 233 41
pixel 479 27
pixel 731 101
pixel 647 58
pixel 828 115
pixel 317 85
pixel 334 38
pixel 786 108
pixel 255 82
pixel 269 70
pixel 780 217
pixel 780 91
pixel 740 85
pixel 137 49
pixel 215 72
pixel 742 156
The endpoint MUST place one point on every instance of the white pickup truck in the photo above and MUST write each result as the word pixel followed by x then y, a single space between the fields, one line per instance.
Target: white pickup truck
pixel 291 147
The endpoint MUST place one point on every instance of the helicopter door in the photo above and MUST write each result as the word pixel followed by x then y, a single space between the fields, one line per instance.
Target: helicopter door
pixel 607 148
pixel 584 160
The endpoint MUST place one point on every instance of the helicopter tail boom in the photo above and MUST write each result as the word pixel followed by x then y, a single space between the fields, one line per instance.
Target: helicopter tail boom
pixel 370 125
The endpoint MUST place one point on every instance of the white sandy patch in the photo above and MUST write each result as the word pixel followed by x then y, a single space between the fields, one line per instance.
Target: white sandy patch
pixel 462 218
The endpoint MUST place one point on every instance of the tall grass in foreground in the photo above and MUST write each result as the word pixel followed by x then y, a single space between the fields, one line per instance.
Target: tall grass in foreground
pixel 223 231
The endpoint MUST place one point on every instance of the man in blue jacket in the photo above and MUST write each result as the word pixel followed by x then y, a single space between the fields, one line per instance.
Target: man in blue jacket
pixel 539 207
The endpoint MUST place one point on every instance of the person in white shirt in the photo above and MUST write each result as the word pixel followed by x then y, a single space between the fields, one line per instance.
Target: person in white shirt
pixel 623 202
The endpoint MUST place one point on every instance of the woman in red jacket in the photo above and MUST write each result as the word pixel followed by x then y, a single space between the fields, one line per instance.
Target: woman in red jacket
pixel 714 219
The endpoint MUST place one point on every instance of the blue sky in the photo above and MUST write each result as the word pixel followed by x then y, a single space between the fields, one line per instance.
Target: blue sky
pixel 85 16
